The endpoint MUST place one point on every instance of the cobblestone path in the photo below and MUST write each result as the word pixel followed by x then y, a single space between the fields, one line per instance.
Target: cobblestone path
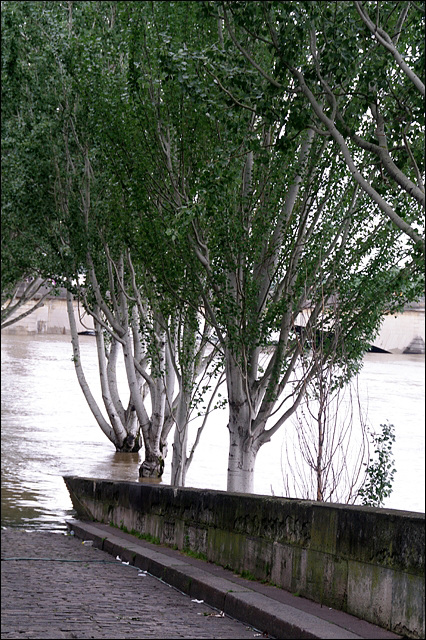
pixel 55 586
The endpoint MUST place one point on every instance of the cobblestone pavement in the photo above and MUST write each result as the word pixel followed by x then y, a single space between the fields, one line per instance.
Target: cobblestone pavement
pixel 55 586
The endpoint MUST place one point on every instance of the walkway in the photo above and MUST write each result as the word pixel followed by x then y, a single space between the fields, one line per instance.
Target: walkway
pixel 56 586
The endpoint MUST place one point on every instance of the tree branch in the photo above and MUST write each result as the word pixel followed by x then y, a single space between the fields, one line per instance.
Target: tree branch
pixel 386 41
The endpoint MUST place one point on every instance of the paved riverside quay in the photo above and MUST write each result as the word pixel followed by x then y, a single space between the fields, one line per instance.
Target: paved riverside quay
pixel 80 586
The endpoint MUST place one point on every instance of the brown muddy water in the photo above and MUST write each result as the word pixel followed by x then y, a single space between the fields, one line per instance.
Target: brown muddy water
pixel 48 431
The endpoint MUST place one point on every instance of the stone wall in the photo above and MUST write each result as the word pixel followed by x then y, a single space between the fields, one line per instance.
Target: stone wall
pixel 366 561
pixel 401 333
pixel 50 318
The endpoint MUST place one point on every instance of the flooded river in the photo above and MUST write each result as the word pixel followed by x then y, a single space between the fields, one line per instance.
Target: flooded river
pixel 48 431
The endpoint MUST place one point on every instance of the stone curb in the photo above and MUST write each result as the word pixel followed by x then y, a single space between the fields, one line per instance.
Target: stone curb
pixel 242 603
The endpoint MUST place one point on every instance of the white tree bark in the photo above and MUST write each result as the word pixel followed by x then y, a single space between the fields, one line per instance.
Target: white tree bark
pixel 179 466
pixel 113 414
pixel 106 428
pixel 243 447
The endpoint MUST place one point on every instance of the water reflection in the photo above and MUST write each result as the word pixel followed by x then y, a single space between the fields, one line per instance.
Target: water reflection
pixel 48 431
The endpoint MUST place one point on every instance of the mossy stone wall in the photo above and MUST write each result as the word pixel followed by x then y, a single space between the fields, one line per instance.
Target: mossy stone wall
pixel 363 560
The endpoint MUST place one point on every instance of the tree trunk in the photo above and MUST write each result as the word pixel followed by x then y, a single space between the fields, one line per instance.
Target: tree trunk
pixel 106 428
pixel 320 492
pixel 133 442
pixel 155 451
pixel 153 464
pixel 179 459
pixel 113 414
pixel 241 459
pixel 242 445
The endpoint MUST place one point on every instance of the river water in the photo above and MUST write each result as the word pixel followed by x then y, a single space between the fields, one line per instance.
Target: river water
pixel 48 431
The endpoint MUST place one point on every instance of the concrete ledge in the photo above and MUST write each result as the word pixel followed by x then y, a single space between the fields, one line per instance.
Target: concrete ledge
pixel 364 561
pixel 281 620
pixel 242 603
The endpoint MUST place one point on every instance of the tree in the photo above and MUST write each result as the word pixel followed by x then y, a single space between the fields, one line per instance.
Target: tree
pixel 126 296
pixel 26 168
pixel 330 434
pixel 199 374
pixel 254 243
pixel 186 176
pixel 45 211
pixel 90 191
pixel 237 312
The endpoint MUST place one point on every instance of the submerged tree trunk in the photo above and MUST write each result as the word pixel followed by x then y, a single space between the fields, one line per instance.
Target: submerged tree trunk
pixel 153 463
pixel 159 382
pixel 106 428
pixel 123 428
